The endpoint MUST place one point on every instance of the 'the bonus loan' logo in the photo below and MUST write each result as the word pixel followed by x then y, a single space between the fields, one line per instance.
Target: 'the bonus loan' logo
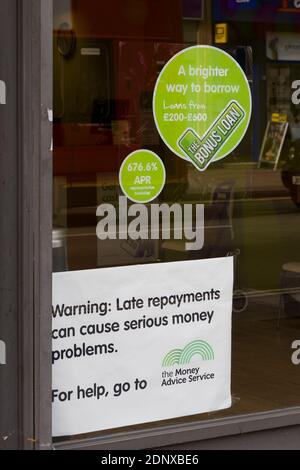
pixel 185 355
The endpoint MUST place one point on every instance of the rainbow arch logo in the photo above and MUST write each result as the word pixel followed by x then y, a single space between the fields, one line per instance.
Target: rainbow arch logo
pixel 178 357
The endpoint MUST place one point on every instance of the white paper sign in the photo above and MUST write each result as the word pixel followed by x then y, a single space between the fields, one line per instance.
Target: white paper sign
pixel 140 344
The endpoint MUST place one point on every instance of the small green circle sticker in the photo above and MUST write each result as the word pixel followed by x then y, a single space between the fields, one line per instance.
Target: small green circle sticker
pixel 142 176
pixel 202 105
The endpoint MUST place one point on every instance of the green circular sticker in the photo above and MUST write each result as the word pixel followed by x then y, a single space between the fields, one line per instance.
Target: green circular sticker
pixel 202 105
pixel 142 176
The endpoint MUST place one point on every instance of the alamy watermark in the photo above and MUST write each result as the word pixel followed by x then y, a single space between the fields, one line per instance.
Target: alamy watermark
pixel 296 353
pixel 153 222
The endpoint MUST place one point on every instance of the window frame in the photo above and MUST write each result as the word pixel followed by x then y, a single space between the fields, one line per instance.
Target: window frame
pixel 34 213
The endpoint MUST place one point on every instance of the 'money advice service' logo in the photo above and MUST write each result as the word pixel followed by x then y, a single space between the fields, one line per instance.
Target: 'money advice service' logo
pixel 178 357
pixel 202 105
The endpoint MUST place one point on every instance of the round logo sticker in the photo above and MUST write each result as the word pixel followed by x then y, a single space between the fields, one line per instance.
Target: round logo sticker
pixel 142 176
pixel 202 105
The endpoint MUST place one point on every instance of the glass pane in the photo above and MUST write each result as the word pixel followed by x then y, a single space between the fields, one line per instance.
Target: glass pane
pixel 107 60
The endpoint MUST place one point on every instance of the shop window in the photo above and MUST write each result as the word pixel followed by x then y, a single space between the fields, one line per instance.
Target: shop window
pixel 107 60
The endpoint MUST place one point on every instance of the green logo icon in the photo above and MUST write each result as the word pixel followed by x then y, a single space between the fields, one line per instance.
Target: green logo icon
pixel 185 355
pixel 202 105
pixel 142 176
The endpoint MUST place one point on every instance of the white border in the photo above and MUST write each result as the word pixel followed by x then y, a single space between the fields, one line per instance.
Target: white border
pixel 156 87
pixel 164 172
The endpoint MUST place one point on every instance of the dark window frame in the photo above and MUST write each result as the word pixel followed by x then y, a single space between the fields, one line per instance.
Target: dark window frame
pixel 35 267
